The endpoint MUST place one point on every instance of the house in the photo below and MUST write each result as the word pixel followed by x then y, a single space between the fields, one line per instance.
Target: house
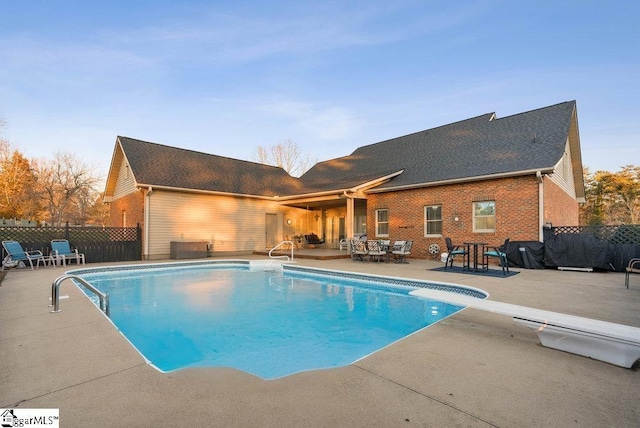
pixel 484 178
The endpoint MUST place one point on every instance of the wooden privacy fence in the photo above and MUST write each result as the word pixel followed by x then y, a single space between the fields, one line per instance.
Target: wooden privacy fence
pixel 98 244
pixel 624 239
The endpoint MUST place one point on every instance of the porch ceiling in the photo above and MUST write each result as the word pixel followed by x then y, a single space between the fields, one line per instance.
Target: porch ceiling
pixel 333 203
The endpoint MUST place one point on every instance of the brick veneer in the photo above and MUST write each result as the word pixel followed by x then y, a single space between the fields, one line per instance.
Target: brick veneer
pixel 516 211
pixel 133 204
pixel 559 208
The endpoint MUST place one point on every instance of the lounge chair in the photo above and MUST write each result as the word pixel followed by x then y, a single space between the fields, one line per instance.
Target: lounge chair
pixel 15 255
pixel 452 252
pixel 400 256
pixel 375 251
pixel 632 267
pixel 500 253
pixel 61 252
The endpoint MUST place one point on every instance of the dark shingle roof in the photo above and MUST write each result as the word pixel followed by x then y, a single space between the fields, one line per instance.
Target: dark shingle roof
pixel 159 165
pixel 470 148
pixel 477 147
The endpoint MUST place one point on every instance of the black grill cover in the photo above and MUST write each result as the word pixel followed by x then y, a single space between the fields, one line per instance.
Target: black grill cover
pixel 526 254
pixel 578 251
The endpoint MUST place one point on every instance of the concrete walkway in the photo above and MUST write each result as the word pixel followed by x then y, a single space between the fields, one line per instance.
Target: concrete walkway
pixel 472 369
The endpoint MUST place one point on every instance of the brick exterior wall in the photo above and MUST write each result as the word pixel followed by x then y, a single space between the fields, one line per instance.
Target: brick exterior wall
pixel 516 212
pixel 133 205
pixel 559 207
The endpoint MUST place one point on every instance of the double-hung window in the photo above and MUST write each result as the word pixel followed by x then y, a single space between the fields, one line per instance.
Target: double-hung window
pixel 382 223
pixel 433 220
pixel 484 216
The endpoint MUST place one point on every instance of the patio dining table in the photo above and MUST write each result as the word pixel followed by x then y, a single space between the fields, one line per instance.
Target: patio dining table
pixel 477 256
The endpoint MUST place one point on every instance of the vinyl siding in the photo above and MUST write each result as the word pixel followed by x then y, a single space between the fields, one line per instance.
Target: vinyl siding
pixel 125 183
pixel 563 173
pixel 231 224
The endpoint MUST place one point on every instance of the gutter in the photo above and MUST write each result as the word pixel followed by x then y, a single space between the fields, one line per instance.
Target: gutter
pixel 209 192
pixel 344 191
pixel 460 180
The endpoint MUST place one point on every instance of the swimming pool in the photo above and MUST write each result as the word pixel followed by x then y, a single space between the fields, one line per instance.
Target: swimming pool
pixel 267 320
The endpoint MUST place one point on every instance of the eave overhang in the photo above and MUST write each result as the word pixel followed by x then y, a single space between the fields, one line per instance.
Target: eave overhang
pixel 546 170
pixel 200 191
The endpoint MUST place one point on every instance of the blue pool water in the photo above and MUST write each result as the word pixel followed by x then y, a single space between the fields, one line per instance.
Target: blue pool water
pixel 268 323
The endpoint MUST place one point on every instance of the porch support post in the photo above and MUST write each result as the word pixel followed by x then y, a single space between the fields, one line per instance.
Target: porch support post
pixel 350 218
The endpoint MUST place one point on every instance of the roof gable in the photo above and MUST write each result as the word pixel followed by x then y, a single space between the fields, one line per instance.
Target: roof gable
pixel 477 147
pixel 163 166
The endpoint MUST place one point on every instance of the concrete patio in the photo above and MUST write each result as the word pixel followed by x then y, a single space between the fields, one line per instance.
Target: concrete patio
pixel 472 369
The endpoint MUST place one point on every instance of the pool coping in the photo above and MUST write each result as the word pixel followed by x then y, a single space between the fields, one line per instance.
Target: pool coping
pixel 476 369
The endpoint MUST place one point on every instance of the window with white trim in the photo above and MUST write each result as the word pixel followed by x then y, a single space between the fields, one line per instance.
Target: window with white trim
pixel 484 216
pixel 382 223
pixel 433 220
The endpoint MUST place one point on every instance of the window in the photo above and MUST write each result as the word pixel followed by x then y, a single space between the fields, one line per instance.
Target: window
pixel 484 216
pixel 382 222
pixel 433 220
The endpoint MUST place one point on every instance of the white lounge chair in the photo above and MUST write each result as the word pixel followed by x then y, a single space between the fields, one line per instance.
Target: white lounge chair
pixel 61 252
pixel 16 254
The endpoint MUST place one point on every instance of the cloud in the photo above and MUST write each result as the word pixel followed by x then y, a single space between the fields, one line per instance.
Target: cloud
pixel 323 122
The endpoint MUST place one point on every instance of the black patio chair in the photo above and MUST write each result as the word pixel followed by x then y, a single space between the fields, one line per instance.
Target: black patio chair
pixel 452 252
pixel 500 253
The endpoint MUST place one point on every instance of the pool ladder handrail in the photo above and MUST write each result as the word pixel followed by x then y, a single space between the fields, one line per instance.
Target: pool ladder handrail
pixel 284 256
pixel 55 294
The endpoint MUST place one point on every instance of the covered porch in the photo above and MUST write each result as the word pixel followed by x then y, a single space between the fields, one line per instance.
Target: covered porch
pixel 331 217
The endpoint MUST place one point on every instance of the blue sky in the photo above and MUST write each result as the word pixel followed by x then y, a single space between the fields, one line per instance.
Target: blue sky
pixel 225 77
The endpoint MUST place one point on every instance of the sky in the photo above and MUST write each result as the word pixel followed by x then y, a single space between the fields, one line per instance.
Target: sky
pixel 224 77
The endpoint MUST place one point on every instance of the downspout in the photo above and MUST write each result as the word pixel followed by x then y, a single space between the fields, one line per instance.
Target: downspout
pixel 540 205
pixel 147 209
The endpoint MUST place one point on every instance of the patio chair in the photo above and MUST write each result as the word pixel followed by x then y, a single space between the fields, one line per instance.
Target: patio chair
pixel 501 254
pixel 358 250
pixel 452 252
pixel 15 255
pixel 632 267
pixel 375 251
pixel 61 252
pixel 397 245
pixel 400 256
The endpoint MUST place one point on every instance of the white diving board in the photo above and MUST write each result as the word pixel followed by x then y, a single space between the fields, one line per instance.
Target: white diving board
pixel 601 340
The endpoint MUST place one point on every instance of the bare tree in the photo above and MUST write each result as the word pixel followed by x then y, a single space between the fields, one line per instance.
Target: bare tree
pixel 63 183
pixel 286 155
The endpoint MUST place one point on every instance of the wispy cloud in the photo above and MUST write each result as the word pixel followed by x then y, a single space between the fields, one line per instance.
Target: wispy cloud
pixel 303 30
pixel 328 123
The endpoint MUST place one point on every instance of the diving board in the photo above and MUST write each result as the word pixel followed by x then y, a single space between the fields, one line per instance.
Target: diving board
pixel 601 340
